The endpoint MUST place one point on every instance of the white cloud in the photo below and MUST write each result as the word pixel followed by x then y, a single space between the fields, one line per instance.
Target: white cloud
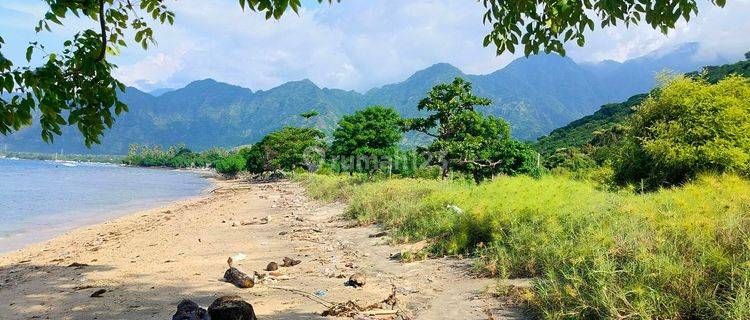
pixel 358 44
pixel 720 31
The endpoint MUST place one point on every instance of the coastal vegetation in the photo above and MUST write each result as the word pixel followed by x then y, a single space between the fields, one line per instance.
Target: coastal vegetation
pixel 173 157
pixel 600 236
pixel 676 253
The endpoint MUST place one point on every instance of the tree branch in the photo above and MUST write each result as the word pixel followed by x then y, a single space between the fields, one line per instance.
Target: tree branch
pixel 102 24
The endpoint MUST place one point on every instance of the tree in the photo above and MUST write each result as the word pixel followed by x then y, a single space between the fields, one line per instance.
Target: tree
pixel 687 127
pixel 284 149
pixel 230 165
pixel 309 114
pixel 747 55
pixel 371 134
pixel 76 86
pixel 467 140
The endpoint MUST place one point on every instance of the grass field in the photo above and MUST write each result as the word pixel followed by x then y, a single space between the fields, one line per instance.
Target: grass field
pixel 681 253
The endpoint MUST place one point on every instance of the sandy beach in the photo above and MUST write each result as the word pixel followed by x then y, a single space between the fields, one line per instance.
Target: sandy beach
pixel 148 261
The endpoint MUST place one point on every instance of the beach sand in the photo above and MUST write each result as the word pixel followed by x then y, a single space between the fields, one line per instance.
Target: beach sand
pixel 147 262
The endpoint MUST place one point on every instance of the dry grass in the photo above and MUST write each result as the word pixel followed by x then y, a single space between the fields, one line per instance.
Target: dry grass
pixel 678 253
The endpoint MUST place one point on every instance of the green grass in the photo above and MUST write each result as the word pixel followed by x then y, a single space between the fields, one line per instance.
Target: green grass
pixel 673 254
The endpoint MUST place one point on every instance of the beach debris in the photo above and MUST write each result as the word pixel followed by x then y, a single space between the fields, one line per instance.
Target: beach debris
pixel 320 293
pixel 383 308
pixel 378 235
pixel 256 221
pixel 272 266
pixel 239 257
pixel 189 310
pixel 77 265
pixel 357 280
pixel 237 277
pixel 289 262
pixel 231 308
pixel 455 209
pixel 98 293
pixel 275 274
pixel 282 233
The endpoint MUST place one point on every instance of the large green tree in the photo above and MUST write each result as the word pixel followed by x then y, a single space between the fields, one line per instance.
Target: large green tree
pixel 686 127
pixel 284 149
pixel 371 134
pixel 75 86
pixel 466 140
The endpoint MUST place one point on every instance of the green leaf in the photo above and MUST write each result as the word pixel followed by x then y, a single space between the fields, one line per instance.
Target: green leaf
pixel 29 53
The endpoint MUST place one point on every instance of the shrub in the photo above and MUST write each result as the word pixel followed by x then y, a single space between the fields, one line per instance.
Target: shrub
pixel 686 128
pixel 230 165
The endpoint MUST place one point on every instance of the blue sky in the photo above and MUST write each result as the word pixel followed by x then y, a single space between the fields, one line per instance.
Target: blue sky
pixel 356 44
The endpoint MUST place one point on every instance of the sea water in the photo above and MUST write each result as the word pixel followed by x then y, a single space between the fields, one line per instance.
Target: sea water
pixel 42 199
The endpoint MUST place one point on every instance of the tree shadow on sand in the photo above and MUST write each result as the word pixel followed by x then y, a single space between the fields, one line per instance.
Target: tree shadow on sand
pixel 48 291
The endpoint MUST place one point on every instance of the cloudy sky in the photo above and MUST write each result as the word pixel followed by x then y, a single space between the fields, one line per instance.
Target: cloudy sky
pixel 357 44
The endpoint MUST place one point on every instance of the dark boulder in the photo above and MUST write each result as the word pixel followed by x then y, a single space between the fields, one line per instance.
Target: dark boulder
pixel 188 310
pixel 231 308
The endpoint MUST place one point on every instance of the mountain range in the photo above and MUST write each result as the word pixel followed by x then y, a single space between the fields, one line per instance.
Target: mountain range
pixel 535 95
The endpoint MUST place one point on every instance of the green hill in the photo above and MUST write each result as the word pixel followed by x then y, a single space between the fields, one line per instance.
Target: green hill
pixel 535 95
pixel 580 133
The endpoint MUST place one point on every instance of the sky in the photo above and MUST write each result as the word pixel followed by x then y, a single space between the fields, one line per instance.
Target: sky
pixel 353 45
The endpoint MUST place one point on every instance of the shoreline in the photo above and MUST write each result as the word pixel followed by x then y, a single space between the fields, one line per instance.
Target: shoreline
pixel 43 228
pixel 145 263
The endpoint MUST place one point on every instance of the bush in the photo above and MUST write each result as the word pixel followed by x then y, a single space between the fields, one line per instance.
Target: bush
pixel 673 254
pixel 230 165
pixel 688 127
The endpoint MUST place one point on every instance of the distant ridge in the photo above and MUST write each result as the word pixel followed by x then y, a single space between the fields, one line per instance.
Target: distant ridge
pixel 535 94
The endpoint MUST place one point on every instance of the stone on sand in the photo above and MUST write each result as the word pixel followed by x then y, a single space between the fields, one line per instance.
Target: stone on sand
pixel 231 308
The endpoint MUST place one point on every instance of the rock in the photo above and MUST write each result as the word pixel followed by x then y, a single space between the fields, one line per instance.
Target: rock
pixel 231 308
pixel 77 265
pixel 188 310
pixel 378 235
pixel 272 266
pixel 238 278
pixel 98 293
pixel 289 262
pixel 357 280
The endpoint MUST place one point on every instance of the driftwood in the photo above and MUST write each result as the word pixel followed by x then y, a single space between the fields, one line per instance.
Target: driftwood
pixel 289 262
pixel 238 278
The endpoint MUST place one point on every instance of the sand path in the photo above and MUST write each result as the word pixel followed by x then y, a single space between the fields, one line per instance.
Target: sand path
pixel 151 260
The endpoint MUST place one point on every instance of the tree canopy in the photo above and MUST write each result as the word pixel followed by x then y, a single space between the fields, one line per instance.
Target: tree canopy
pixel 467 140
pixel 76 86
pixel 373 132
pixel 283 150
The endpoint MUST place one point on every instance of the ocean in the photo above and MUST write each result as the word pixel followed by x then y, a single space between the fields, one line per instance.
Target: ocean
pixel 42 199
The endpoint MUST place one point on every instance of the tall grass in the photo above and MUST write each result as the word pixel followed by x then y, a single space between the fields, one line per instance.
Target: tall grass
pixel 673 254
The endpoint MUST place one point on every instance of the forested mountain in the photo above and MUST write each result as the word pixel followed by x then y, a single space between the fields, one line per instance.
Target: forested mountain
pixel 580 132
pixel 535 94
